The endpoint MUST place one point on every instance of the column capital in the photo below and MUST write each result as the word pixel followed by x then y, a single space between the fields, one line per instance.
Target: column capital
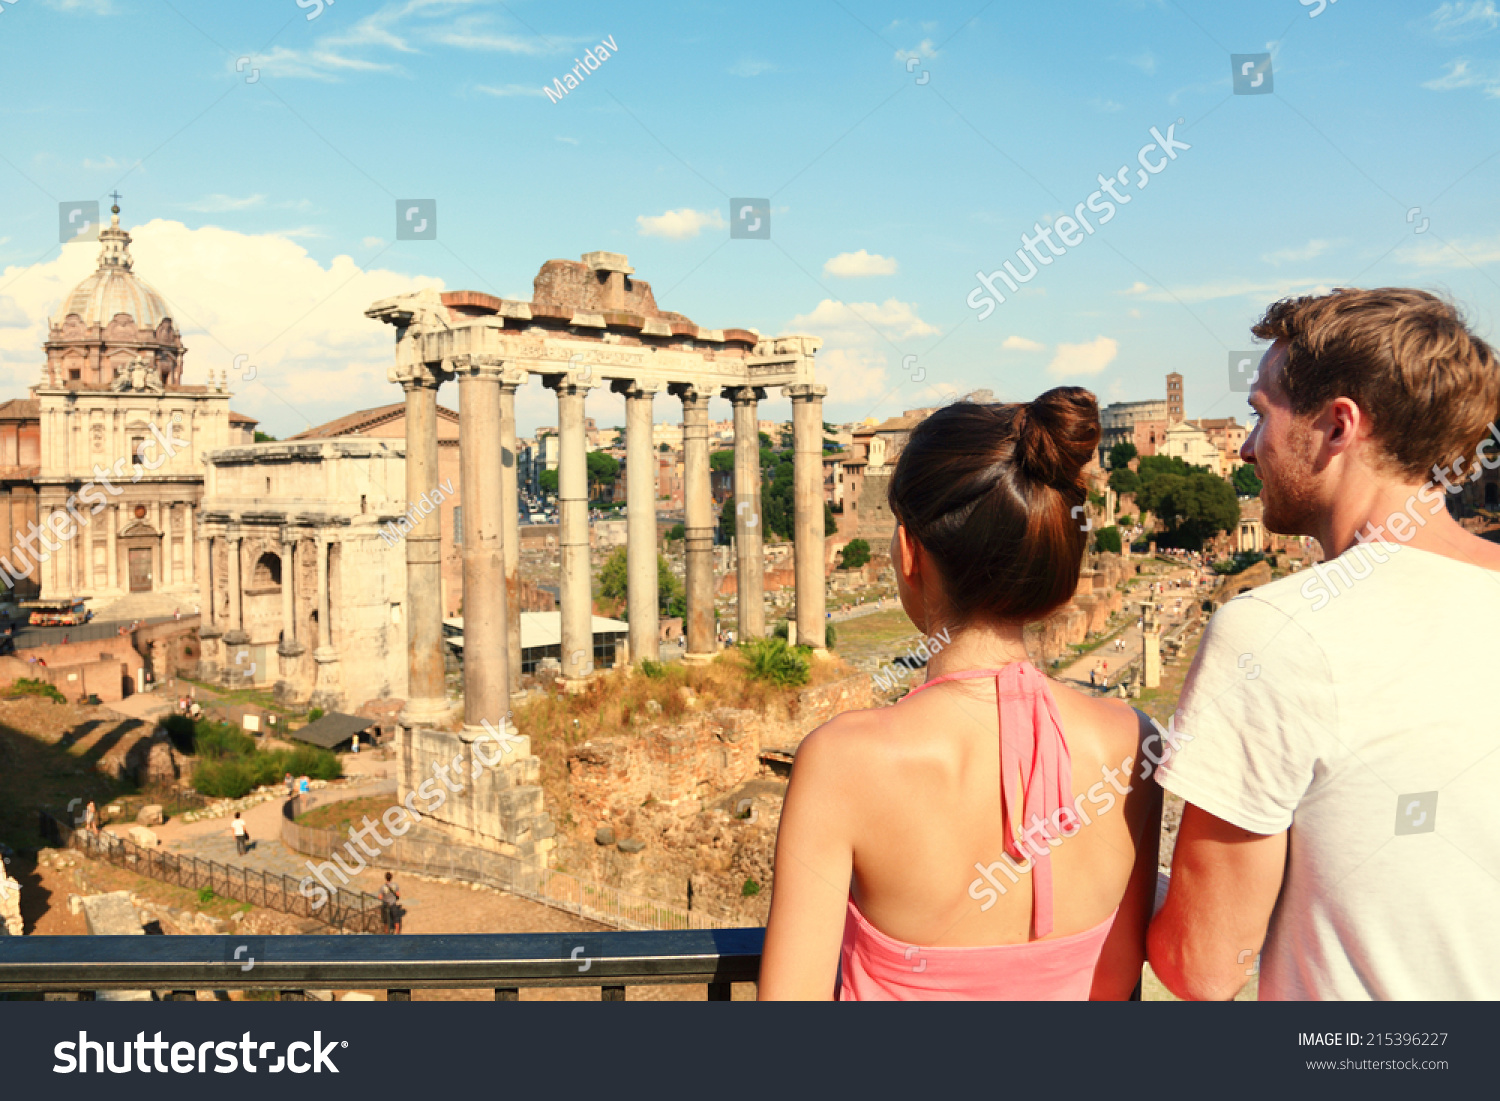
pixel 691 393
pixel 487 366
pixel 635 388
pixel 568 385
pixel 745 395
pixel 806 391
pixel 418 376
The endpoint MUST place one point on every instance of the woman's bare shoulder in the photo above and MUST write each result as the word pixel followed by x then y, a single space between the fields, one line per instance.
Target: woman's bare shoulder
pixel 1112 722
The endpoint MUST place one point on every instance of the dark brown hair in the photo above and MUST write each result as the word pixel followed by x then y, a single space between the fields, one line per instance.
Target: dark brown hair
pixel 1429 386
pixel 994 494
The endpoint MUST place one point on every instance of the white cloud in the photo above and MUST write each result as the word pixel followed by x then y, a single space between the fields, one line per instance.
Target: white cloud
pixel 509 90
pixel 569 141
pixel 751 66
pixel 1314 248
pixel 302 323
pixel 678 224
pixel 1137 288
pixel 852 265
pixel 893 319
pixel 318 64
pixel 218 204
pixel 1477 251
pixel 852 374
pixel 1461 74
pixel 11 314
pixel 1263 291
pixel 924 49
pixel 1464 20
pixel 1021 344
pixel 373 242
pixel 1083 359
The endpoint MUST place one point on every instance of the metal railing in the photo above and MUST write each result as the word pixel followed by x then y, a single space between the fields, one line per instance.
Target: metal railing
pixel 351 911
pixel 80 966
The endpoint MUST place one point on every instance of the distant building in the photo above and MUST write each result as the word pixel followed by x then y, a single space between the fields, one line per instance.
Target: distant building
pixel 1142 423
pixel 1174 397
pixel 1227 435
pixel 1193 446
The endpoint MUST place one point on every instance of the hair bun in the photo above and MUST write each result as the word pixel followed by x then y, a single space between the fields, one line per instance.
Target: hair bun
pixel 1056 435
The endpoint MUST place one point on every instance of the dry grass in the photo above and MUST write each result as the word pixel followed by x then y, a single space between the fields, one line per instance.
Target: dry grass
pixel 616 701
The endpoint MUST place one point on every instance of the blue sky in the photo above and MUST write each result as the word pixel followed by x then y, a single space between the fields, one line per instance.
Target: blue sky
pixel 263 192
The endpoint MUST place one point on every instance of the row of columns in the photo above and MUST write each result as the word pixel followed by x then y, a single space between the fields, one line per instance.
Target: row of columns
pixel 234 623
pixel 71 570
pixel 491 552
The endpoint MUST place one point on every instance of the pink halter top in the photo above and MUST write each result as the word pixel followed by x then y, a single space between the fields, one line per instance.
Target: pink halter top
pixel 1036 779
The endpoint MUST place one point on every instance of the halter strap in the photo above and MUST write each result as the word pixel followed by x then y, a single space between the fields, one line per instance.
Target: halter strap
pixel 1036 774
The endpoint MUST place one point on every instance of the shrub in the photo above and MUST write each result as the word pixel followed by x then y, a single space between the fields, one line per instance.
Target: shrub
pixel 1108 540
pixel 750 889
pixel 315 714
pixel 231 765
pixel 653 669
pixel 829 635
pixel 206 895
pixel 773 661
pixel 854 555
pixel 26 686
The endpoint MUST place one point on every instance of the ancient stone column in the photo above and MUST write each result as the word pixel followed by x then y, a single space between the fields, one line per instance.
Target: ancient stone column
pixel 643 597
pixel 1150 645
pixel 573 520
pixel 209 574
pixel 427 698
pixel 236 601
pixel 699 501
pixel 510 523
pixel 807 505
pixel 327 691
pixel 288 597
pixel 189 546
pixel 486 661
pixel 113 564
pixel 289 688
pixel 749 555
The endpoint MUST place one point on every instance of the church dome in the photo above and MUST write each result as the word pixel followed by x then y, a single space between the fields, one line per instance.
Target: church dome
pixel 113 288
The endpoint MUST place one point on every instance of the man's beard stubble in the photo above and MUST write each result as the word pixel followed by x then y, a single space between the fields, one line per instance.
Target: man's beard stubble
pixel 1289 496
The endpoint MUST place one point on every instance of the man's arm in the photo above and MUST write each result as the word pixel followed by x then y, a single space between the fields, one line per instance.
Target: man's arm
pixel 1225 882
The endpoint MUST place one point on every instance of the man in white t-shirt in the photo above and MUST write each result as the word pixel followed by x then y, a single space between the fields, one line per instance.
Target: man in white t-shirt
pixel 1336 741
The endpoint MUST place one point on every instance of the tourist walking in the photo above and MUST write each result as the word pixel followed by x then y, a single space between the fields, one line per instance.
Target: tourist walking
pixel 91 818
pixel 1340 813
pixel 391 912
pixel 241 837
pixel 985 544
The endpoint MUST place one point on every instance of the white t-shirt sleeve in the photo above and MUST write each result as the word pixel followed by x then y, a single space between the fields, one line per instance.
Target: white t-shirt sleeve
pixel 1256 714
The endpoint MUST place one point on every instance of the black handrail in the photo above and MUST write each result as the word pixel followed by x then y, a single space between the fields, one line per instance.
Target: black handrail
pixel 504 962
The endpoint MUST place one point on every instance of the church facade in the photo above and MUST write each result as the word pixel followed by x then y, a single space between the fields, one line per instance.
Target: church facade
pixel 101 469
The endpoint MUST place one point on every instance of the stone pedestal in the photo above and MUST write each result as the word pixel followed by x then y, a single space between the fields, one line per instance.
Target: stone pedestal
pixel 328 692
pixel 291 688
pixel 210 653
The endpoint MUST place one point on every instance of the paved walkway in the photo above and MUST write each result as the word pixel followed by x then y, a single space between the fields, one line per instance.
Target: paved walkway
pixel 1194 589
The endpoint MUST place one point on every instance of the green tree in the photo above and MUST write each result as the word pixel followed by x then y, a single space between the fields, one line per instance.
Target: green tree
pixel 1108 540
pixel 1247 483
pixel 1124 480
pixel 721 460
pixel 831 447
pixel 614 583
pixel 1153 465
pixel 765 440
pixel 547 479
pixel 1194 507
pixel 603 468
pixel 830 525
pixel 263 437
pixel 855 554
pixel 1121 454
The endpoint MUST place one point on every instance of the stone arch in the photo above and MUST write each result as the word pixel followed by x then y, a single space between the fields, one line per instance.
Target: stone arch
pixel 267 571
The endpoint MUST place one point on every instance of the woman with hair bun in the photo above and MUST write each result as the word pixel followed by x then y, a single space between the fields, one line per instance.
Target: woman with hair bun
pixel 990 836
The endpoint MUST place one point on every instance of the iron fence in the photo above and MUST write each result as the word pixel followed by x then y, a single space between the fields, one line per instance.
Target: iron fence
pixel 351 911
